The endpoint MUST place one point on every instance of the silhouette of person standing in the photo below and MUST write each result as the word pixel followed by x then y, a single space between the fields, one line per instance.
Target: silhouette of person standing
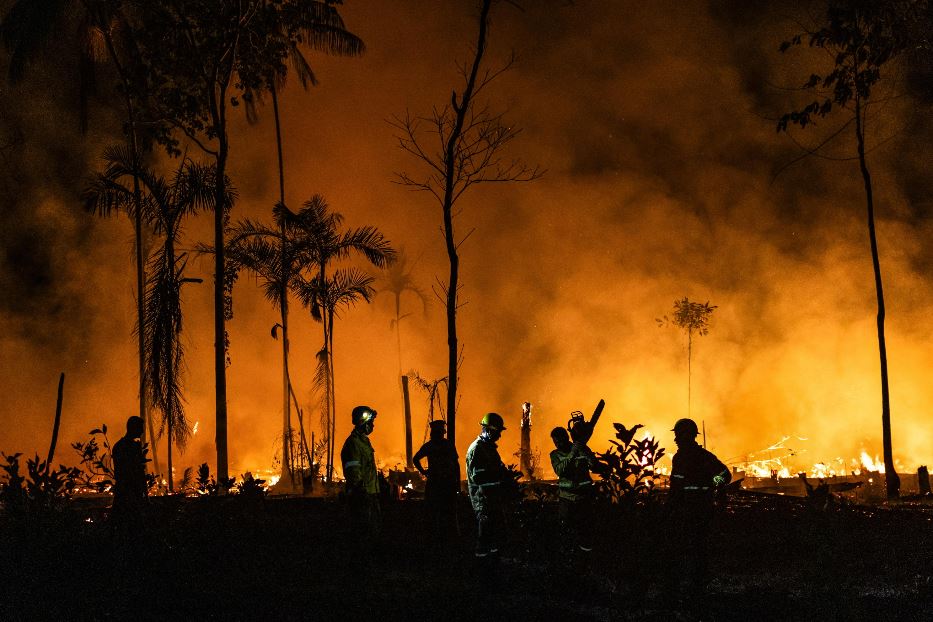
pixel 696 476
pixel 358 459
pixel 443 480
pixel 572 463
pixel 486 478
pixel 130 490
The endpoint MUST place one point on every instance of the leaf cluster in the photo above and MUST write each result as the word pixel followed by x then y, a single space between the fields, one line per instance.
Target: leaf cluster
pixel 861 37
pixel 693 317
pixel 40 490
pixel 628 468
pixel 96 463
pixel 250 487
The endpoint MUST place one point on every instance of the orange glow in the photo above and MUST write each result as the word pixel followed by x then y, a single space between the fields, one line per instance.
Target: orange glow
pixel 661 183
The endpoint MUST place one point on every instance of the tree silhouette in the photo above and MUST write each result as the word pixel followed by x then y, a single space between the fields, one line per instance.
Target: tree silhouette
pixel 471 140
pixel 864 39
pixel 319 27
pixel 199 61
pixel 325 293
pixel 692 318
pixel 277 255
pixel 165 204
pixel 103 34
pixel 396 279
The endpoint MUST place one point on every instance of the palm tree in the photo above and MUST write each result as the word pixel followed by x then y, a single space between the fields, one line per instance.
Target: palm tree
pixel 325 294
pixel 276 255
pixel 202 57
pixel 103 33
pixel 321 28
pixel 165 204
pixel 397 280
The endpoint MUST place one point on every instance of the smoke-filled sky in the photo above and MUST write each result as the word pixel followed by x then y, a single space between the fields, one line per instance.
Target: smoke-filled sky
pixel 665 178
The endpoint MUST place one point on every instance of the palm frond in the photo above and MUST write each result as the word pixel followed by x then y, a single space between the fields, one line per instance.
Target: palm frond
pixel 371 243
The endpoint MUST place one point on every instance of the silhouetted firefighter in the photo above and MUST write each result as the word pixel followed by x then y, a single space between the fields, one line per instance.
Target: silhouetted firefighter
pixel 129 472
pixel 696 477
pixel 359 468
pixel 443 481
pixel 487 480
pixel 572 462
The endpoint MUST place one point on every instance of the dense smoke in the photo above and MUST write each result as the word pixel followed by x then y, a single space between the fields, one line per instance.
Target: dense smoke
pixel 665 178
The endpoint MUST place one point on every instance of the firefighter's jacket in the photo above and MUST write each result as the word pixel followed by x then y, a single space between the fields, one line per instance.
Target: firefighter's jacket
pixel 359 464
pixel 486 474
pixel 696 472
pixel 573 471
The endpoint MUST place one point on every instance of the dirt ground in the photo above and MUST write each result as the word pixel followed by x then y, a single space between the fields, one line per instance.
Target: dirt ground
pixel 772 558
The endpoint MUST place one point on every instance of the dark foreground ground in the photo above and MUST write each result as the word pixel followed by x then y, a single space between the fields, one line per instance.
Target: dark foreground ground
pixel 295 559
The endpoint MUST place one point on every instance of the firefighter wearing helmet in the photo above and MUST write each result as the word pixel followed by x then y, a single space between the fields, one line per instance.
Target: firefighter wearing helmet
pixel 696 478
pixel 572 463
pixel 487 477
pixel 359 468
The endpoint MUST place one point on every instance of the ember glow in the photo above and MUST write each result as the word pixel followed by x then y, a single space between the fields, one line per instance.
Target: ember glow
pixel 653 122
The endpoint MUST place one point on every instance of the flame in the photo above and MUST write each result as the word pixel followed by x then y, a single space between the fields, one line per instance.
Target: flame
pixel 871 465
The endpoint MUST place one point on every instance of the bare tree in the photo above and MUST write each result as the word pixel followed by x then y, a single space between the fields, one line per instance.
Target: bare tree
pixel 460 144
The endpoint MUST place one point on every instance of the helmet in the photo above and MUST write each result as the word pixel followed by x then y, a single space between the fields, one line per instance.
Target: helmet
pixel 493 420
pixel 438 424
pixel 685 426
pixel 363 414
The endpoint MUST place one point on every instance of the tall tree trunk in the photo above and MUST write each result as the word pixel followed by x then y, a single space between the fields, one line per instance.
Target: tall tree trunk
pixel 168 357
pixel 892 481
pixel 450 173
pixel 220 335
pixel 407 405
pixel 287 466
pixel 330 376
pixel 55 426
pixel 144 413
pixel 689 369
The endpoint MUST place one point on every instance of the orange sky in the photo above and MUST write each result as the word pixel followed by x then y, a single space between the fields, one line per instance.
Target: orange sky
pixel 655 124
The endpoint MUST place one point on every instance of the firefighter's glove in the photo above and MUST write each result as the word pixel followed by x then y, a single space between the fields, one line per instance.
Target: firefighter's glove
pixel 719 480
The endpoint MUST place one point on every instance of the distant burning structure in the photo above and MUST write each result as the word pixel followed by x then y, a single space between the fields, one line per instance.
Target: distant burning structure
pixel 524 452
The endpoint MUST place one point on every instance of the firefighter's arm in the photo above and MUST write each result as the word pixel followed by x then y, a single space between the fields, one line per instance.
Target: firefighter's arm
pixel 677 478
pixel 591 462
pixel 723 475
pixel 417 458
pixel 352 470
pixel 562 463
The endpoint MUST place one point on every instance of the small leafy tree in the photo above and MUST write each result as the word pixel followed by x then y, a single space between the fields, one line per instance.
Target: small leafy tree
pixel 40 490
pixel 864 40
pixel 628 468
pixel 692 318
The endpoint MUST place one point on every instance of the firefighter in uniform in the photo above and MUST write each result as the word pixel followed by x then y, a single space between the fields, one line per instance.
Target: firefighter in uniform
pixel 359 468
pixel 487 477
pixel 696 477
pixel 572 462
pixel 443 480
